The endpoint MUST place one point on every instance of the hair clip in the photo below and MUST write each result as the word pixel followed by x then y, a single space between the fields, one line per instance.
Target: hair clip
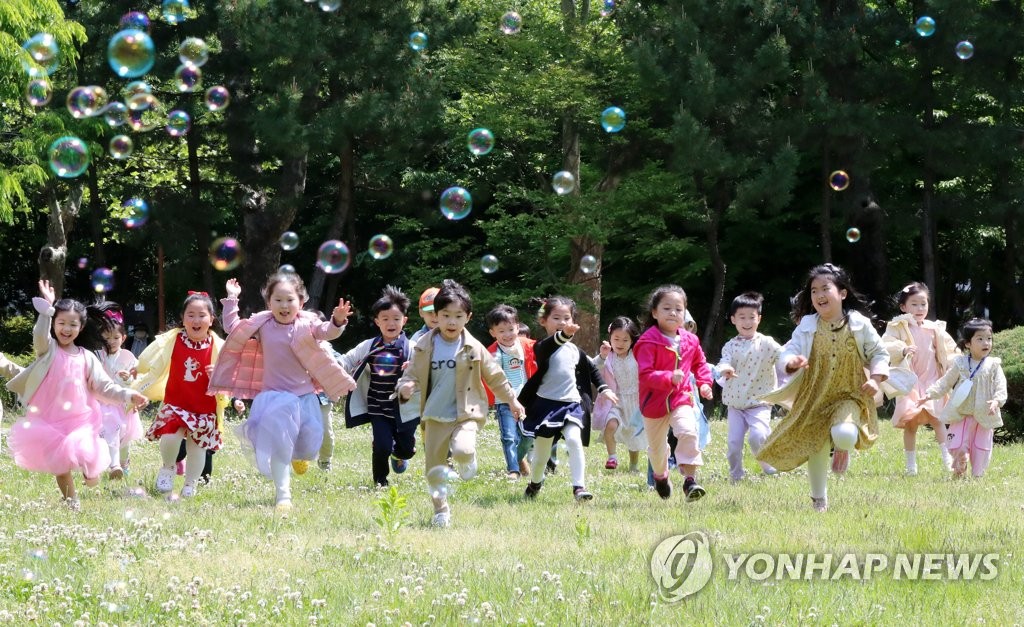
pixel 116 316
pixel 191 293
pixel 906 289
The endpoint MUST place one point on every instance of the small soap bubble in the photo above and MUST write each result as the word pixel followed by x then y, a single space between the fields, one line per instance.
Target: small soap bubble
pixel 172 498
pixel 43 50
pixel 193 51
pixel 142 101
pixel 489 264
pixel 134 20
pixel 149 118
pixel 68 156
pixel 217 98
pixel 480 141
pixel 381 246
pixel 86 101
pixel 330 6
pixel 129 514
pixel 839 180
pixel 287 268
pixel 116 114
pixel 456 203
pixel 613 119
pixel 607 8
pixel 418 41
pixel 121 146
pixel 439 481
pixel 385 363
pixel 38 92
pixel 563 182
pixel 135 88
pixel 333 256
pixel 178 123
pixel 853 235
pixel 83 263
pixel 289 240
pixel 964 50
pixel 511 23
pixel 925 26
pixel 225 253
pixel 102 280
pixel 174 11
pixel 37 554
pixel 131 53
pixel 136 212
pixel 137 492
pixel 28 575
pixel 187 77
pixel 588 264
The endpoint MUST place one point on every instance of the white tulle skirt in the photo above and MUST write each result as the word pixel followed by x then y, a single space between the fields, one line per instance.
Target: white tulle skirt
pixel 282 427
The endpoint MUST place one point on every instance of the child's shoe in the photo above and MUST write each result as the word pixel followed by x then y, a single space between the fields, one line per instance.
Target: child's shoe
pixel 179 468
pixel 300 466
pixel 441 520
pixel 911 463
pixel 551 468
pixel 188 490
pixel 820 505
pixel 840 461
pixel 164 480
pixel 283 507
pixel 513 475
pixel 115 474
pixel 947 458
pixel 398 465
pixel 611 464
pixel 532 489
pixel 663 487
pixel 73 504
pixel 580 494
pixel 692 490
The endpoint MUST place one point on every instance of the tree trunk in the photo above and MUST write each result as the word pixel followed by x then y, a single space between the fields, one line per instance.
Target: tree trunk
pixel 53 255
pixel 96 215
pixel 715 211
pixel 323 290
pixel 200 218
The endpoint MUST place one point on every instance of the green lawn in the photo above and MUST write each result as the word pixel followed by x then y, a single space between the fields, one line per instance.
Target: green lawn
pixel 224 557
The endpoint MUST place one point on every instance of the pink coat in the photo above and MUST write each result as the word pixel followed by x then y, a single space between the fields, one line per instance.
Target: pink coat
pixel 656 361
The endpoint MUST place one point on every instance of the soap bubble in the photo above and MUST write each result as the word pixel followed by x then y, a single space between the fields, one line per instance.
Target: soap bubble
pixel 135 88
pixel 37 554
pixel 83 262
pixel 381 246
pixel 588 264
pixel 121 146
pixel 137 212
pixel 511 23
pixel 225 253
pixel 440 480
pixel 85 102
pixel 131 53
pixel 42 48
pixel 456 203
pixel 38 92
pixel 563 182
pixel 287 268
pixel 964 50
pixel 134 20
pixel 839 180
pixel 174 11
pixel 289 240
pixel 925 26
pixel 187 77
pixel 329 6
pixel 853 235
pixel 69 156
pixel 613 119
pixel 607 8
pixel 480 141
pixel 333 256
pixel 178 123
pixel 217 98
pixel 418 41
pixel 385 363
pixel 489 264
pixel 193 51
pixel 146 114
pixel 102 280
pixel 116 114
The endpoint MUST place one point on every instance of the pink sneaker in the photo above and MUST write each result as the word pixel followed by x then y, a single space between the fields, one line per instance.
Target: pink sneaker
pixel 611 464
pixel 179 469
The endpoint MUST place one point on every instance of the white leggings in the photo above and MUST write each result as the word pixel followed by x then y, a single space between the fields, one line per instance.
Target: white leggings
pixel 844 437
pixel 195 455
pixel 573 437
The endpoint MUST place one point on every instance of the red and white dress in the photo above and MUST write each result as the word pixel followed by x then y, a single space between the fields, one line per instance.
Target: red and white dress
pixel 186 404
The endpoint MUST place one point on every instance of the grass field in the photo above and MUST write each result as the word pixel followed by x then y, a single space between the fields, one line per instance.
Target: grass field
pixel 225 558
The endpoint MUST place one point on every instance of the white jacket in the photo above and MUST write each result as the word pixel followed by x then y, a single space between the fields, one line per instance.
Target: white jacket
pixel 989 385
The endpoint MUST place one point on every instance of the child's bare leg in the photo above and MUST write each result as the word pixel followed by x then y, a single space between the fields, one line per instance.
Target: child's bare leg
pixel 66 483
pixel 910 438
pixel 609 436
pixel 634 459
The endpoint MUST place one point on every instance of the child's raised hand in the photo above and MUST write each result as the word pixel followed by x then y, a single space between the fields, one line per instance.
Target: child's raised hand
pixel 605 350
pixel 727 371
pixel 612 396
pixel 233 289
pixel 342 312
pixel 677 376
pixel 570 329
pixel 796 363
pixel 993 407
pixel 705 391
pixel 46 291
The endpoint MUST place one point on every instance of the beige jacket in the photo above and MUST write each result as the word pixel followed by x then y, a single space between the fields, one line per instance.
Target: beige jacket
pixel 989 385
pixel 897 338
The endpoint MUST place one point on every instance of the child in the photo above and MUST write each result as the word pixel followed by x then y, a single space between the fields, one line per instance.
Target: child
pixel 924 346
pixel 376 365
pixel 973 409
pixel 105 334
pixel 326 455
pixel 175 369
pixel 831 398
pixel 748 367
pixel 275 358
pixel 620 422
pixel 450 367
pixel 524 330
pixel 703 426
pixel 558 396
pixel 427 313
pixel 61 390
pixel 515 354
pixel 666 355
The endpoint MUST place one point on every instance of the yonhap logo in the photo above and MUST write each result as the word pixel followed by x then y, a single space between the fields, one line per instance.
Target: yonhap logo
pixel 681 565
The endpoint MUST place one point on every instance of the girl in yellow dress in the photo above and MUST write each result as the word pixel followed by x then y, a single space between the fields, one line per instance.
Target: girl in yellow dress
pixel 830 395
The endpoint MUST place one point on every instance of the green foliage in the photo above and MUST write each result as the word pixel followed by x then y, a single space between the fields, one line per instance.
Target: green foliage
pixel 1009 346
pixel 8 399
pixel 16 335
pixel 393 514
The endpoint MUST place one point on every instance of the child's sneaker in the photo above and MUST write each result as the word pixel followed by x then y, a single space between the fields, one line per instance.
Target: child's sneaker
pixel 283 507
pixel 611 464
pixel 663 487
pixel 513 475
pixel 300 466
pixel 820 505
pixel 441 520
pixel 179 468
pixel 581 494
pixel 73 504
pixel 532 489
pixel 551 468
pixel 398 465
pixel 188 490
pixel 840 461
pixel 115 474
pixel 324 464
pixel 165 480
pixel 692 490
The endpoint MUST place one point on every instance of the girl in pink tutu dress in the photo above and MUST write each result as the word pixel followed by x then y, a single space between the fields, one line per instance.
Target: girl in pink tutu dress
pixel 106 332
pixel 62 390
pixel 276 358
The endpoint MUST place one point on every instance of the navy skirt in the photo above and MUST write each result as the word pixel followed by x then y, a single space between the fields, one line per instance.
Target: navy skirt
pixel 546 418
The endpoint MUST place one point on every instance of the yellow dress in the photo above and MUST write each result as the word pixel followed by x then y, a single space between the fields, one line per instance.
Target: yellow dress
pixel 829 394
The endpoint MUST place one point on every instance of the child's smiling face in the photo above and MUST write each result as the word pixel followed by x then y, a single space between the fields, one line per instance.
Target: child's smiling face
pixel 66 327
pixel 746 320
pixel 284 302
pixel 390 322
pixel 197 320
pixel 917 306
pixel 827 299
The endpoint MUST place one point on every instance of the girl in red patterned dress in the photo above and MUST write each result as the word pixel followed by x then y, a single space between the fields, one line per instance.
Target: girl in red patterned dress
pixel 175 369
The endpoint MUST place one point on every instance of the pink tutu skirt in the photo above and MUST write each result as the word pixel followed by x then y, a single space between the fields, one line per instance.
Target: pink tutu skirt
pixel 282 427
pixel 61 431
pixel 120 427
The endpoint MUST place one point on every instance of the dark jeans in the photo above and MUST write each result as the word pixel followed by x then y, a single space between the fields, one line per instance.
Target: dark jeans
pixel 390 438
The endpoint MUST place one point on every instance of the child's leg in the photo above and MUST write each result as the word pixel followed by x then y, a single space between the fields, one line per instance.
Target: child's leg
pixel 327 447
pixel 405 443
pixel 684 426
pixel 940 438
pixel 958 446
pixel 657 445
pixel 436 441
pixel 509 436
pixel 112 436
pixel 981 449
pixel 734 451
pixel 541 454
pixel 634 459
pixel 195 460
pixel 383 446
pixel 66 483
pixel 208 466
pixel 910 446
pixel 463 447
pixel 281 473
pixel 123 455
pixel 609 437
pixel 759 428
pixel 573 437
pixel 817 472
pixel 170 444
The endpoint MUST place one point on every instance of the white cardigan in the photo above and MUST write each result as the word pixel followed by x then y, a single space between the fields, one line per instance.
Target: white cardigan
pixel 989 385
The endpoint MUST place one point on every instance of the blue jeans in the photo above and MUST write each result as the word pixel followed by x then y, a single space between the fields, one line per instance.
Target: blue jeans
pixel 510 436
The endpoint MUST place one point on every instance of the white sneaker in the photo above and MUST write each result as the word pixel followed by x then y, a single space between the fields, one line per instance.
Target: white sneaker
pixel 441 520
pixel 947 459
pixel 468 471
pixel 188 490
pixel 165 480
